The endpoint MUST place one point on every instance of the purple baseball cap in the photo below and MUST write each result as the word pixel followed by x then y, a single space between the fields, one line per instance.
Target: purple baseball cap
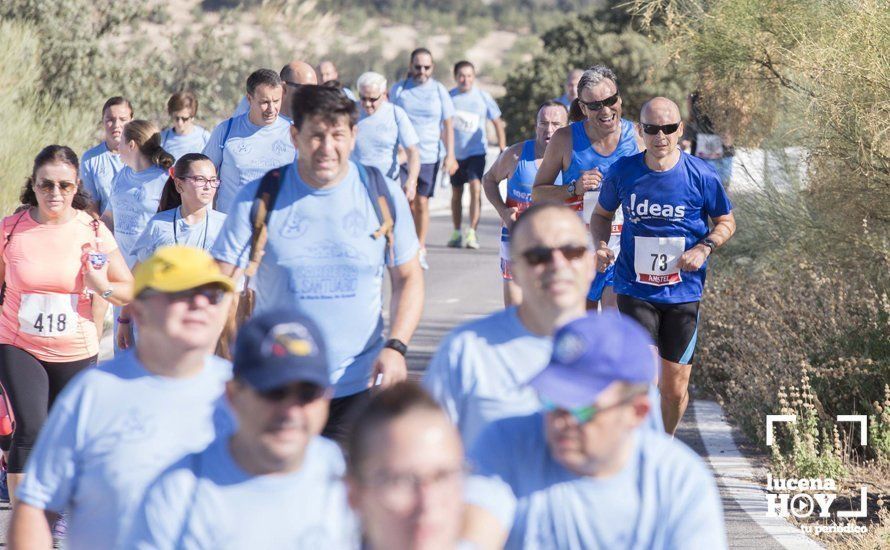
pixel 592 352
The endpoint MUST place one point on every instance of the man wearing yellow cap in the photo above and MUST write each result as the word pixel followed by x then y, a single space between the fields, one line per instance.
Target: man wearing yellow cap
pixel 119 425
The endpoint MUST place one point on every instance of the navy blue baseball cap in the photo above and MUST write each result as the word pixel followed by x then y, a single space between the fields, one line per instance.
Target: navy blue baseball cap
pixel 277 348
pixel 591 353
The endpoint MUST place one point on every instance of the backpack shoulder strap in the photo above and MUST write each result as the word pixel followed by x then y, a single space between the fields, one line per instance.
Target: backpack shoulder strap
pixel 222 144
pixel 260 213
pixel 384 207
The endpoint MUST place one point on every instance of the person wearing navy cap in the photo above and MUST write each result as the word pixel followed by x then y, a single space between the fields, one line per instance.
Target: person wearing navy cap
pixel 276 482
pixel 589 476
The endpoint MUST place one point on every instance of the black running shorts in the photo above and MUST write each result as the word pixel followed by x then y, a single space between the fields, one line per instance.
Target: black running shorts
pixel 674 327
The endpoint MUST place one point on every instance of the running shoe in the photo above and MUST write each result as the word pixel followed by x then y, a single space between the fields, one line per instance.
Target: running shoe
pixel 455 240
pixel 4 487
pixel 422 258
pixel 472 241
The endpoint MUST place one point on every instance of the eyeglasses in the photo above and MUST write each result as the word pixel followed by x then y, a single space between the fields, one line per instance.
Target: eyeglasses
pixel 583 415
pixel 539 255
pixel 653 129
pixel 182 118
pixel 303 393
pixel 293 85
pixel 64 187
pixel 200 181
pixel 366 99
pixel 423 67
pixel 400 491
pixel 597 105
pixel 213 294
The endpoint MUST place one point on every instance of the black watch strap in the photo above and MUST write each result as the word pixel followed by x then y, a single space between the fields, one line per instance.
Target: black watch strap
pixel 396 344
pixel 709 243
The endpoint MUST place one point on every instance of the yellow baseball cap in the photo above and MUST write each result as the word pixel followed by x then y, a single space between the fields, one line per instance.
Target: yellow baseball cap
pixel 176 268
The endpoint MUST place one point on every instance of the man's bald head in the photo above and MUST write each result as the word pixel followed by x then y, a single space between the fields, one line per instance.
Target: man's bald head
pixel 659 109
pixel 298 72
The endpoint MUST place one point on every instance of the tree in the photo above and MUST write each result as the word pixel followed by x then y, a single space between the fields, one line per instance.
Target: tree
pixel 605 36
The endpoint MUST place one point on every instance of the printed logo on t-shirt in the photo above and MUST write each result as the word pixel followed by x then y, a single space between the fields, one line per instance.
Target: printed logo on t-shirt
pixel 280 147
pixel 646 211
pixel 465 121
pixel 354 223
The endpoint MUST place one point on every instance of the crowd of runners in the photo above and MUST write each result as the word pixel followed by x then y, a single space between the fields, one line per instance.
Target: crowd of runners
pixel 256 399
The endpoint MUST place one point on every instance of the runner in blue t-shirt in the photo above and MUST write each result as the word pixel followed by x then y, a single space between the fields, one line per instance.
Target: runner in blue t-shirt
pixel 184 136
pixel 667 197
pixel 473 107
pixel 583 152
pixel 326 255
pixel 519 163
pixel 584 474
pixel 293 76
pixel 100 165
pixel 431 112
pixel 245 147
pixel 383 128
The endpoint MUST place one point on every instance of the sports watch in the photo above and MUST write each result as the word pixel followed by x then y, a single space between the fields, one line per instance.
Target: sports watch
pixel 571 187
pixel 709 243
pixel 107 293
pixel 396 344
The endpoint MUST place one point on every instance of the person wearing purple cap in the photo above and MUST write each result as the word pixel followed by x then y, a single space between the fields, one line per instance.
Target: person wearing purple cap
pixel 275 482
pixel 588 476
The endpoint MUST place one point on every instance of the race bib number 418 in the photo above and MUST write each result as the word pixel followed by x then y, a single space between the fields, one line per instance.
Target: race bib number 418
pixel 48 315
pixel 655 259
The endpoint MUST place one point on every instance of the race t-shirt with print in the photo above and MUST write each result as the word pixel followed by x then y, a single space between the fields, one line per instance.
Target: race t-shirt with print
pixel 246 154
pixel 98 167
pixel 321 256
pixel 46 309
pixel 471 110
pixel 427 105
pixel 169 228
pixel 379 136
pixel 179 144
pixel 134 200
pixel 665 214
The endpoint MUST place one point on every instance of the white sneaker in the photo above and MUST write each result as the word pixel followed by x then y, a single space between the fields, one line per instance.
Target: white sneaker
pixel 422 258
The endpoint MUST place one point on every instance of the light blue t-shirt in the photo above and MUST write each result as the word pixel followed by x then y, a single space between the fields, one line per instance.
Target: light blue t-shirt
pixel 247 154
pixel 471 110
pixel 98 167
pixel 134 201
pixel 168 228
pixel 379 137
pixel 664 498
pixel 207 501
pixel 348 93
pixel 113 430
pixel 481 371
pixel 427 105
pixel 321 257
pixel 178 145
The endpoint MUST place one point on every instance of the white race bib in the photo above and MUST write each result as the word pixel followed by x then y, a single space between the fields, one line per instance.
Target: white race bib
pixel 655 260
pixel 615 237
pixel 465 121
pixel 48 315
pixel 708 146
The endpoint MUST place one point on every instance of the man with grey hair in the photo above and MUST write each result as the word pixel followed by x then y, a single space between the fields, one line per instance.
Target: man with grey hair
pixel 382 129
pixel 583 151
pixel 571 88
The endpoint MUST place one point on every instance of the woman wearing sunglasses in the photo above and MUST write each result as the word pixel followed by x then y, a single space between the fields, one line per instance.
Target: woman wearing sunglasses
pixel 185 217
pixel 184 136
pixel 56 260
pixel 583 152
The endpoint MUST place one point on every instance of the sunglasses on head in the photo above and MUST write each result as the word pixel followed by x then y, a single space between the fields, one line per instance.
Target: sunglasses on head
pixel 653 129
pixel 539 255
pixel 303 393
pixel 597 105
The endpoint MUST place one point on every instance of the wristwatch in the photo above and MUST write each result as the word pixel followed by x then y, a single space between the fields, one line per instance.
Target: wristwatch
pixel 396 344
pixel 571 187
pixel 107 293
pixel 709 243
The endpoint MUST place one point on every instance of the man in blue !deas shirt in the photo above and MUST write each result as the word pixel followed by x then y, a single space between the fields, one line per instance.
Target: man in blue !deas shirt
pixel 326 255
pixel 245 147
pixel 583 474
pixel 115 427
pixel 472 109
pixel 274 483
pixel 667 198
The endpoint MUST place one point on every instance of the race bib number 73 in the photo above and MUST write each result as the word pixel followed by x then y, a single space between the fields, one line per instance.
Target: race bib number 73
pixel 48 315
pixel 655 259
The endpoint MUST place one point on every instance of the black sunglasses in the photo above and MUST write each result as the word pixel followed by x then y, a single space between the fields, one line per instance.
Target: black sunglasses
pixel 597 105
pixel 293 85
pixel 304 393
pixel 422 67
pixel 539 255
pixel 213 294
pixel 653 129
pixel 364 98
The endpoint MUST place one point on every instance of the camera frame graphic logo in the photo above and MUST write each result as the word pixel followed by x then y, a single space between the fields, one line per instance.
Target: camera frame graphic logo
pixel 802 498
